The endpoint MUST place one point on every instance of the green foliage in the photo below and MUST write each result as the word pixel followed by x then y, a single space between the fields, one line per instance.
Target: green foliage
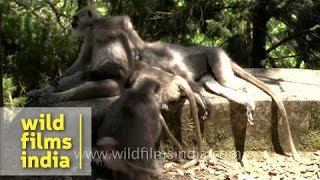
pixel 37 45
pixel 283 56
pixel 201 38
pixel 9 89
pixel 35 35
pixel 293 21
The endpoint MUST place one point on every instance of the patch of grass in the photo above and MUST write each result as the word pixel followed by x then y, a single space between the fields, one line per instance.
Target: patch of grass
pixel 311 141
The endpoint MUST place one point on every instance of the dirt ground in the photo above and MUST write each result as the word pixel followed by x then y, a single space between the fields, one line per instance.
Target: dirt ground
pixel 257 165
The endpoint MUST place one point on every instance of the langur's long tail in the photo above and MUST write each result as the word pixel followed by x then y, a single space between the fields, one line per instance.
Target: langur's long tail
pixel 169 134
pixel 250 78
pixel 194 113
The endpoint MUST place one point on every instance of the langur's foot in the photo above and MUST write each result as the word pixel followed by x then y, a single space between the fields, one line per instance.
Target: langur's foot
pixel 249 116
pixel 40 92
pixel 250 108
pixel 203 106
pixel 203 113
pixel 165 107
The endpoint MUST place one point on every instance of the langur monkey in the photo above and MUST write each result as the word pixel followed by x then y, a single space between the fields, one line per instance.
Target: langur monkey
pixel 194 62
pixel 130 124
pixel 174 87
pixel 103 64
pixel 123 166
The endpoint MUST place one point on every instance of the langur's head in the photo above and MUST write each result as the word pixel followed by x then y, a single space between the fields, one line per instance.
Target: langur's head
pixel 113 23
pixel 83 20
pixel 150 87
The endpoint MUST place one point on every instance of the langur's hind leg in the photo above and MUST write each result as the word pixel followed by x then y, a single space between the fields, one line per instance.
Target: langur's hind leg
pixel 220 63
pixel 69 82
pixel 40 92
pixel 62 84
pixel 91 89
pixel 237 96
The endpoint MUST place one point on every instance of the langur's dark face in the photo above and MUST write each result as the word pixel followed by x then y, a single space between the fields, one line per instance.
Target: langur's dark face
pixel 74 23
pixel 81 19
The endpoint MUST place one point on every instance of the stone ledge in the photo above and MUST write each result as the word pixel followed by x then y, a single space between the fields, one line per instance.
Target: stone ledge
pixel 300 92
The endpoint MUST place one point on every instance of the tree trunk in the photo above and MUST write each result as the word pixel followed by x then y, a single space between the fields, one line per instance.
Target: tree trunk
pixel 260 17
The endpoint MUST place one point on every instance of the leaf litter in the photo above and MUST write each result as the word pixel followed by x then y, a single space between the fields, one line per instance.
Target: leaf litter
pixel 257 165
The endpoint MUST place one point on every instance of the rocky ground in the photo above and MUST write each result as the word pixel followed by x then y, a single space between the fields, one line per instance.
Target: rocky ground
pixel 257 165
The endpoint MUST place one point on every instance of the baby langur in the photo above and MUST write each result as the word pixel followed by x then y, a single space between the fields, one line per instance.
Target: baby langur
pixel 174 87
pixel 196 61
